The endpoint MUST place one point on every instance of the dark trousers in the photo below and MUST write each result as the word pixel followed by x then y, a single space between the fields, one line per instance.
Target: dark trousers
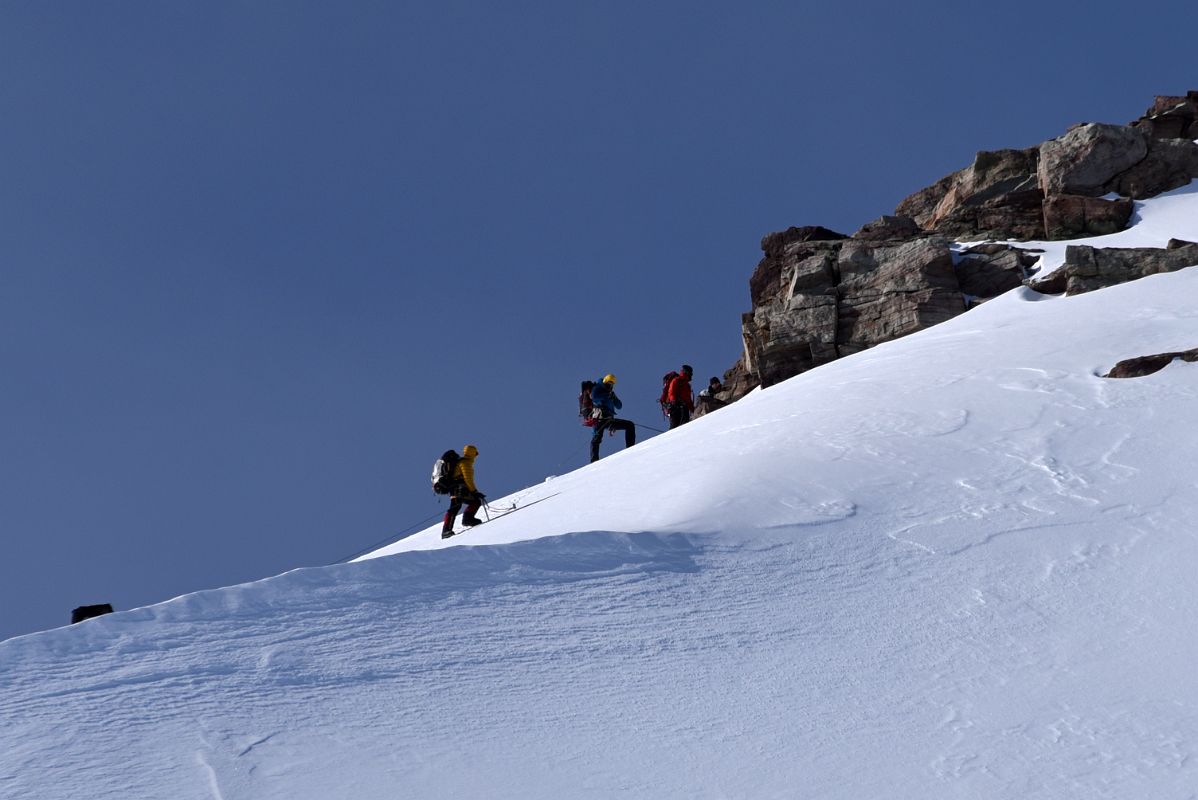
pixel 679 414
pixel 460 496
pixel 611 423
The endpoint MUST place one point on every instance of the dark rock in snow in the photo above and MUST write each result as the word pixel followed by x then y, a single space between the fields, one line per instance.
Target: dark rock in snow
pixel 987 271
pixel 1088 268
pixel 1146 365
pixel 87 612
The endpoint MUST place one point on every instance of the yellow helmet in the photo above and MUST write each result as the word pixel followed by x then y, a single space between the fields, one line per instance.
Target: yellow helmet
pixel 610 379
pixel 470 451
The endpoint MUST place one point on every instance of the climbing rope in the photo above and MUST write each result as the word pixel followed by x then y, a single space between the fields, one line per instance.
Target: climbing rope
pixel 390 539
pixel 393 538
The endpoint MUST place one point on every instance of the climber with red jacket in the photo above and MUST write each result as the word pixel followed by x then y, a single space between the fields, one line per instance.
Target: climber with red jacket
pixel 679 399
pixel 463 491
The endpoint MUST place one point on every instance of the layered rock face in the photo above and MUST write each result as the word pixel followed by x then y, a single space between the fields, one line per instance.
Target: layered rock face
pixel 819 295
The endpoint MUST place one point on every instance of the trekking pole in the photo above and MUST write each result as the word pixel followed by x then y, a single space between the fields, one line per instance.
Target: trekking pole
pixel 487 510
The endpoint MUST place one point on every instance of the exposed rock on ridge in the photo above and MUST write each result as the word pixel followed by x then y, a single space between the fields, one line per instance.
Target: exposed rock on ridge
pixel 819 295
pixel 817 300
pixel 1146 365
pixel 1089 268
pixel 1036 193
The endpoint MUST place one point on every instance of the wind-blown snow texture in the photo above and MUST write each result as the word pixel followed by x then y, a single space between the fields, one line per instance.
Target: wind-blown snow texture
pixel 957 565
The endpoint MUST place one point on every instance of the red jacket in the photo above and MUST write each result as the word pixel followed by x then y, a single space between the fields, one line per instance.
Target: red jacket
pixel 679 391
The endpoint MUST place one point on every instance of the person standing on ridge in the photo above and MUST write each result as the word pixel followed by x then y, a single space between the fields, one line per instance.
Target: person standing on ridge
pixel 462 492
pixel 680 400
pixel 606 404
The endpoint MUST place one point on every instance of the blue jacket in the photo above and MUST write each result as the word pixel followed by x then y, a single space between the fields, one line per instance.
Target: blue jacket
pixel 604 398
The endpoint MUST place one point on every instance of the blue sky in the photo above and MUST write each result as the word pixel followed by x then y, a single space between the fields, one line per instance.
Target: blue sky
pixel 260 263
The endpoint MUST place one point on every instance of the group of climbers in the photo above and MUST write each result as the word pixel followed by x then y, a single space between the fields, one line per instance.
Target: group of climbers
pixel 453 475
pixel 678 402
pixel 598 405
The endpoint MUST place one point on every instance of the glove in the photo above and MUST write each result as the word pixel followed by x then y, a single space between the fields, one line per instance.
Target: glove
pixel 480 495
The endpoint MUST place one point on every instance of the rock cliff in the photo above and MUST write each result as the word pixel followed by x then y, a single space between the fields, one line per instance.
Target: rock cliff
pixel 818 295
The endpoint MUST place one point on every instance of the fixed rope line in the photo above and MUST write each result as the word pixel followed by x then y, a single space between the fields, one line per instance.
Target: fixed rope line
pixel 391 538
pixel 646 427
pixel 572 454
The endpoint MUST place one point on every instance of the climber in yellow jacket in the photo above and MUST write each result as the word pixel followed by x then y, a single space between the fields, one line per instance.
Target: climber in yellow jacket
pixel 462 492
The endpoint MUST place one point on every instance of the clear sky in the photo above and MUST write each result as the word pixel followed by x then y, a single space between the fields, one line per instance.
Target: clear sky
pixel 261 262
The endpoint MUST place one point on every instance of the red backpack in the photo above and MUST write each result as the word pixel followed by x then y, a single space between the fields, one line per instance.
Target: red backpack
pixel 665 391
pixel 586 407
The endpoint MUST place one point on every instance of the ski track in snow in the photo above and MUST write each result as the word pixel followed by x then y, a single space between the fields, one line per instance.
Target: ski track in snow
pixel 956 565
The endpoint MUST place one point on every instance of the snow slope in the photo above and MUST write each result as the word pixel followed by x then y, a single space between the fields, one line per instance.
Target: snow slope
pixel 957 565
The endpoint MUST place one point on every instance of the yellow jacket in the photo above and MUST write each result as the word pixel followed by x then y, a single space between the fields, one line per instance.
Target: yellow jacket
pixel 465 468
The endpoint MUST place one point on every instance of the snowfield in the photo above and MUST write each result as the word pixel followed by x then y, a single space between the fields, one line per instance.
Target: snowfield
pixel 959 565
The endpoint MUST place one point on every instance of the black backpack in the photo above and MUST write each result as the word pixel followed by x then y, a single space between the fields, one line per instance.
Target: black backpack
pixel 443 469
pixel 586 408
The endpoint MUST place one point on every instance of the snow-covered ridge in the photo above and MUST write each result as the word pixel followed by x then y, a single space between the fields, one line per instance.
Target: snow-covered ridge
pixel 955 565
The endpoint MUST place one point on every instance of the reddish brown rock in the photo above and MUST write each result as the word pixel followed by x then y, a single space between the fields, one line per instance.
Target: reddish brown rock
pixel 995 197
pixel 1002 194
pixel 1146 365
pixel 1070 216
pixel 1171 117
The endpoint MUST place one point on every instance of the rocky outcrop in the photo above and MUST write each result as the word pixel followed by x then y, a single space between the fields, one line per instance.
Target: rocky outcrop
pixel 1169 164
pixel 996 197
pixel 892 289
pixel 1069 216
pixel 81 613
pixel 819 295
pixel 1146 365
pixel 887 227
pixel 818 300
pixel 1089 268
pixel 1171 117
pixel 792 326
pixel 1034 193
pixel 988 270
pixel 1088 157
